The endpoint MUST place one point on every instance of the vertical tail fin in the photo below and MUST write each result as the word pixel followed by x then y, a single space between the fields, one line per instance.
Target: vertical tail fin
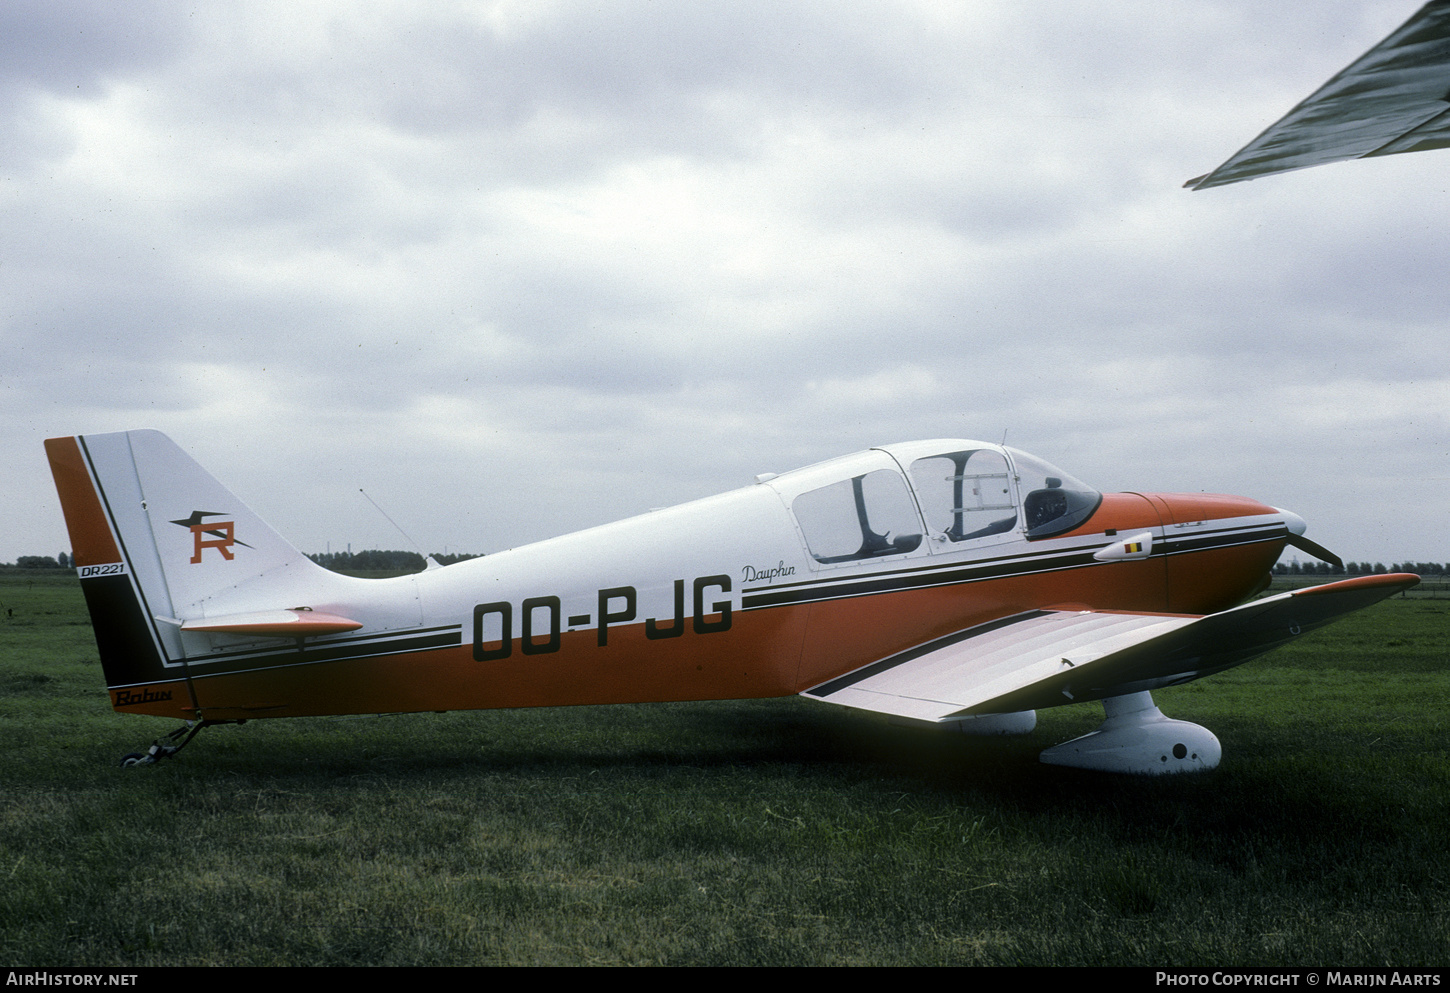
pixel 157 539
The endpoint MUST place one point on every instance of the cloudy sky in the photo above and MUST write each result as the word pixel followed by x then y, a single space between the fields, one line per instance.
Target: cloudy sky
pixel 516 268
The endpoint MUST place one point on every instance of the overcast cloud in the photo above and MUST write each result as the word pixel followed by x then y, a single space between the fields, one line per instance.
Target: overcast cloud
pixel 520 268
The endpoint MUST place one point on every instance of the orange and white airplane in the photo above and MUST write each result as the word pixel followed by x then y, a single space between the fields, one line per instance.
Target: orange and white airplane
pixel 954 583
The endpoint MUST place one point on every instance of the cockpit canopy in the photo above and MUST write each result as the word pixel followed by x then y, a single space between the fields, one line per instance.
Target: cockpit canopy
pixel 889 501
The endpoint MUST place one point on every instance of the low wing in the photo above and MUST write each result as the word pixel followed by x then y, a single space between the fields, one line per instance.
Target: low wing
pixel 1394 98
pixel 1045 658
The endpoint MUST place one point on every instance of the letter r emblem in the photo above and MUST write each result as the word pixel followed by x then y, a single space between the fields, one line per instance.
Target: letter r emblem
pixel 223 542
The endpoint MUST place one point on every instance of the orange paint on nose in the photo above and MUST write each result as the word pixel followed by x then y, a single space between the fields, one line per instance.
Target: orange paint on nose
pixel 1186 508
pixel 1215 578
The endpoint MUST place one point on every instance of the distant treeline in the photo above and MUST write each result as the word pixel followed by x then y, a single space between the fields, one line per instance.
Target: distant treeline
pixel 360 561
pixel 1360 568
pixel 374 559
pixel 61 561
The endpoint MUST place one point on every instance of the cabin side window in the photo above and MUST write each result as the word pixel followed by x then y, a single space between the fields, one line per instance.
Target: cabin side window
pixel 965 495
pixel 862 517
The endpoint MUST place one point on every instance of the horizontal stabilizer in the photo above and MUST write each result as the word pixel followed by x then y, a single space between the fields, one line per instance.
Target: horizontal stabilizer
pixel 1046 658
pixel 296 622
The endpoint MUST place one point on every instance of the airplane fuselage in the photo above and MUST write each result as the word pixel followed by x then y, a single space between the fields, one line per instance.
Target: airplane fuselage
pixel 752 593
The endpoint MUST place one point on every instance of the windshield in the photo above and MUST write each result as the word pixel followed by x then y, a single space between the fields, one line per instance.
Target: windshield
pixel 1052 501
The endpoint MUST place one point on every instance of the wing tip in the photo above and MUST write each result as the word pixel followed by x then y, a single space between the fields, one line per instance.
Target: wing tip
pixel 1395 580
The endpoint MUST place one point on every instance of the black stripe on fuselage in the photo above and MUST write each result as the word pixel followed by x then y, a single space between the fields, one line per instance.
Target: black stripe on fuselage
pixel 282 658
pixel 1198 540
pixel 976 572
pixel 355 647
pixel 925 576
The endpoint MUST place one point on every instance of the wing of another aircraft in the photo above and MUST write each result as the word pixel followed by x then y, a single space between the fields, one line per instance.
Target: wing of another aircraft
pixel 1394 98
pixel 1045 658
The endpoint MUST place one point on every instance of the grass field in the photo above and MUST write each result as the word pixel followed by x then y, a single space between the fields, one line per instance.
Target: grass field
pixel 755 832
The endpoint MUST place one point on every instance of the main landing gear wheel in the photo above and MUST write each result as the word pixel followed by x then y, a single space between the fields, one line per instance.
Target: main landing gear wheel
pixel 1135 737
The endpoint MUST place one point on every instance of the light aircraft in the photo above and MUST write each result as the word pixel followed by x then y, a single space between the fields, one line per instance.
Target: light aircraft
pixel 952 583
pixel 949 582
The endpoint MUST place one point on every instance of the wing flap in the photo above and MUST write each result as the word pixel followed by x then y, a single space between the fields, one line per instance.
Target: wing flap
pixel 1050 657
pixel 944 677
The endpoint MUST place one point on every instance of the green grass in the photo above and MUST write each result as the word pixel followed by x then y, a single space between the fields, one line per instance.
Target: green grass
pixel 753 832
